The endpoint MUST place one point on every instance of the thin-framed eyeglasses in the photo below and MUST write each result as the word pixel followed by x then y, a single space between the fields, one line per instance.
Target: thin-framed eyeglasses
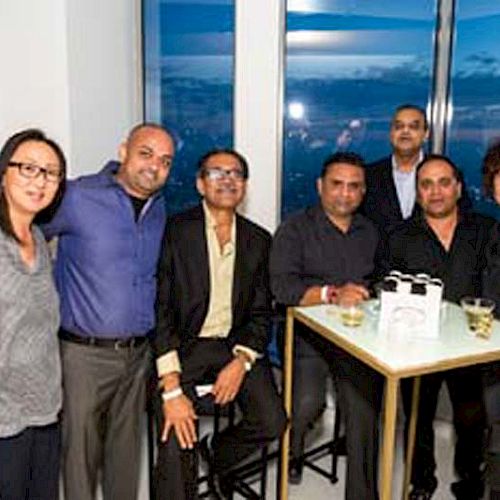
pixel 217 174
pixel 32 171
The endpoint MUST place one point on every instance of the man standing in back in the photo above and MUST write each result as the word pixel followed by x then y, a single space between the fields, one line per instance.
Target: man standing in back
pixel 390 182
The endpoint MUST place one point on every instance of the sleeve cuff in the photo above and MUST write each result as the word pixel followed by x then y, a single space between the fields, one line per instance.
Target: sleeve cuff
pixel 253 355
pixel 168 363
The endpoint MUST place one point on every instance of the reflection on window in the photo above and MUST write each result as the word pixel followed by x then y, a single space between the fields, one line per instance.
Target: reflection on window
pixel 348 66
pixel 188 59
pixel 475 118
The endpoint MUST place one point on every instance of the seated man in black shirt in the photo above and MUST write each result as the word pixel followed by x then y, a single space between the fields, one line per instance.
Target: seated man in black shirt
pixel 324 255
pixel 449 244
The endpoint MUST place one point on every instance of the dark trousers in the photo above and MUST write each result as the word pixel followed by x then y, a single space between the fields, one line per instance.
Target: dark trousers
pixel 492 404
pixel 360 393
pixel 29 464
pixel 103 410
pixel 466 394
pixel 312 368
pixel 263 420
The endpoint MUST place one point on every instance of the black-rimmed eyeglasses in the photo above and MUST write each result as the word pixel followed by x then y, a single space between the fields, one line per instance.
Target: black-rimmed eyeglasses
pixel 32 171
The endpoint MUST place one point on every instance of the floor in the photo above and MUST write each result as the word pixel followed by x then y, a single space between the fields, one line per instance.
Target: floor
pixel 318 488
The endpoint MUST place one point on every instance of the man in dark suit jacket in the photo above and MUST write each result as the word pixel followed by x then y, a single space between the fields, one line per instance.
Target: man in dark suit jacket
pixel 213 313
pixel 390 182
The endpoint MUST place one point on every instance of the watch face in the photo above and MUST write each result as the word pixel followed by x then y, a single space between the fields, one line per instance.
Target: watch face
pixel 248 366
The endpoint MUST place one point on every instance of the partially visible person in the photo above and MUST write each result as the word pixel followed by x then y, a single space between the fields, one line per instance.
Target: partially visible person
pixel 325 254
pixel 32 172
pixel 213 311
pixel 491 289
pixel 390 182
pixel 448 244
pixel 110 226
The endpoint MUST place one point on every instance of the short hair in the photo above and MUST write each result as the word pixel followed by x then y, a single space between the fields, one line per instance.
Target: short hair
pixel 226 151
pixel 457 173
pixel 413 107
pixel 342 157
pixel 153 125
pixel 491 166
pixel 8 150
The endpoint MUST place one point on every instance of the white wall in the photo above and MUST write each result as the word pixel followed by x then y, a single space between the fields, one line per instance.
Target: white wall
pixel 258 104
pixel 34 81
pixel 103 79
pixel 71 68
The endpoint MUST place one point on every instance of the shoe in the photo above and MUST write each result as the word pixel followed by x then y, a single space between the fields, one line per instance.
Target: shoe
pixel 420 494
pixel 424 488
pixel 295 469
pixel 468 489
pixel 220 486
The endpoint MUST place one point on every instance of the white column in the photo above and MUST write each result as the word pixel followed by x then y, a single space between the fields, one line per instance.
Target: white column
pixel 104 78
pixel 72 68
pixel 33 87
pixel 258 103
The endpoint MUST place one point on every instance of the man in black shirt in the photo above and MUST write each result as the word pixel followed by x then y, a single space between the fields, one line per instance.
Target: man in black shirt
pixel 448 244
pixel 325 255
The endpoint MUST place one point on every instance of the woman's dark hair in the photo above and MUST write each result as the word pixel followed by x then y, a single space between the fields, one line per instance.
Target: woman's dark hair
pixel 8 150
pixel 491 166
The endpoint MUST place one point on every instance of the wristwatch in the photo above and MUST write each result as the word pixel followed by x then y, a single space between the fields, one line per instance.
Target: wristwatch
pixel 246 360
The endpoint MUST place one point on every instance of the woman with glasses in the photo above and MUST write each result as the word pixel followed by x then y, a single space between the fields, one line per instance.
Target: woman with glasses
pixel 491 181
pixel 32 173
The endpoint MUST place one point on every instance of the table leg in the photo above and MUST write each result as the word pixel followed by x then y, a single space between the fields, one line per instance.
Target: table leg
pixel 410 445
pixel 287 396
pixel 391 393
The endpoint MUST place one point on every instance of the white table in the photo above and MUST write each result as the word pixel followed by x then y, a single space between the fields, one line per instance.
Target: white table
pixel 395 357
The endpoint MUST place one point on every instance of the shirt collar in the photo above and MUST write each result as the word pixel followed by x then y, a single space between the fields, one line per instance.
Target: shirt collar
pixel 211 224
pixel 420 221
pixel 395 165
pixel 357 221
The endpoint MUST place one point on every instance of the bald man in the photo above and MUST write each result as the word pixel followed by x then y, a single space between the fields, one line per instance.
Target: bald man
pixel 110 226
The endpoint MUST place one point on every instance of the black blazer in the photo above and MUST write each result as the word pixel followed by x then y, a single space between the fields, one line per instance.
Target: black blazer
pixel 381 203
pixel 184 284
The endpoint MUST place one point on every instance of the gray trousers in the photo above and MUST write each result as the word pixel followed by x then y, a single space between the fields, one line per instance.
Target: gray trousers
pixel 103 407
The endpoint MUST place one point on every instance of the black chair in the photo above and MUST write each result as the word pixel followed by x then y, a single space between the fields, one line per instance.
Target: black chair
pixel 334 447
pixel 238 478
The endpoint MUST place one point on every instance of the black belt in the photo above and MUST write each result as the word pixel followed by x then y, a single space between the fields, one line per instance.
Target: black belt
pixel 124 343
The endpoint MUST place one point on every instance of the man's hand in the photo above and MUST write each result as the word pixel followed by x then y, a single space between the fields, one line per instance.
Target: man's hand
pixel 179 414
pixel 311 297
pixel 351 294
pixel 229 381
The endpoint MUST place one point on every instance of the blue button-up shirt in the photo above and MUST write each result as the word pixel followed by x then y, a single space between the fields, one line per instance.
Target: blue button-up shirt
pixel 106 260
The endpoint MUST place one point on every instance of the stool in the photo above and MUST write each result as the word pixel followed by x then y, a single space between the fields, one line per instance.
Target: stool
pixel 335 447
pixel 238 475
